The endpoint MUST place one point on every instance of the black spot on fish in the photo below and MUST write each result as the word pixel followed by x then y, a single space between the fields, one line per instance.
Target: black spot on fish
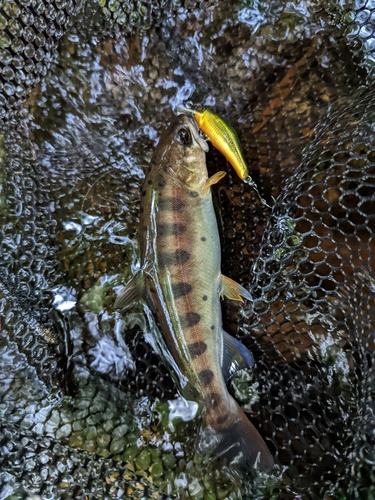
pixel 181 289
pixel 161 181
pixel 142 210
pixel 213 327
pixel 182 256
pixel 149 182
pixel 175 204
pixel 179 228
pixel 204 297
pixel 152 290
pixel 212 400
pixel 206 377
pixel 144 193
pixel 163 229
pixel 192 319
pixel 222 418
pixel 164 204
pixel 171 229
pixel 194 194
pixel 203 238
pixel 197 349
pixel 176 258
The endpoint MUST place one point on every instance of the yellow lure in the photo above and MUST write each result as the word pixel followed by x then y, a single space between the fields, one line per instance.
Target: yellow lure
pixel 224 138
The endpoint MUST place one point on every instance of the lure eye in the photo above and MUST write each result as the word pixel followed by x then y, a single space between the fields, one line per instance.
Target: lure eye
pixel 185 136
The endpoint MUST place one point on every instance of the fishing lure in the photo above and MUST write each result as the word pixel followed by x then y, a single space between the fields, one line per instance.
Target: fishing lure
pixel 224 138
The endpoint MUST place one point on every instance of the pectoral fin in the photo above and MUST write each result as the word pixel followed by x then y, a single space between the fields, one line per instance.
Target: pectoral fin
pixel 132 291
pixel 236 356
pixel 233 290
pixel 214 179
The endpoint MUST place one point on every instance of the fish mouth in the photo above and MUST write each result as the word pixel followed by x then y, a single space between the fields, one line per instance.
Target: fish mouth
pixel 198 137
pixel 181 110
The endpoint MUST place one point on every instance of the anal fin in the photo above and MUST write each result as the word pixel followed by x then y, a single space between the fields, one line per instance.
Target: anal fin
pixel 132 291
pixel 233 290
pixel 236 356
pixel 214 179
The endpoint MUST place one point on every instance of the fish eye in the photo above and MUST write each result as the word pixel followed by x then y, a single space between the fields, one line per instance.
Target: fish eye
pixel 184 136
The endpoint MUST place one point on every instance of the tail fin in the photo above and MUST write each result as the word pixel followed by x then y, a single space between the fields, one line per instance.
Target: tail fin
pixel 241 444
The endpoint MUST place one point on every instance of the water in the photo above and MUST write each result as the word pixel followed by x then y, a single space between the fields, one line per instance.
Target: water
pixel 90 129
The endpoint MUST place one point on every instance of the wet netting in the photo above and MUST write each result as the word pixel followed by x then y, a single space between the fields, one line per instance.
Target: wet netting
pixel 87 408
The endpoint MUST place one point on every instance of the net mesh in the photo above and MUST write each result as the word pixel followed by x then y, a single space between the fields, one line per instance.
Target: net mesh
pixel 84 398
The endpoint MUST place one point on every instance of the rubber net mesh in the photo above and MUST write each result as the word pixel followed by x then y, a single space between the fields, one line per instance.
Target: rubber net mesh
pixel 86 405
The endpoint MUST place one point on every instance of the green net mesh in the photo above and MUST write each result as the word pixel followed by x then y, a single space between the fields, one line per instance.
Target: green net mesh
pixel 86 88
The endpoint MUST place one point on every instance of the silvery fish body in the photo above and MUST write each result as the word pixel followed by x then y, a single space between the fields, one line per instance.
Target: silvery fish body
pixel 181 280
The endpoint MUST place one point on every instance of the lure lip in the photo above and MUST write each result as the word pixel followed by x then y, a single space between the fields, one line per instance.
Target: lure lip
pixel 188 108
pixel 184 110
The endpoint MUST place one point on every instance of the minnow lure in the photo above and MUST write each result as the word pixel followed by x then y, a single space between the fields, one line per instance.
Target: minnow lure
pixel 225 139
pixel 180 279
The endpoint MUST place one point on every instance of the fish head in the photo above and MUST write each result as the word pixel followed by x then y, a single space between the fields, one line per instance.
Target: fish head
pixel 182 153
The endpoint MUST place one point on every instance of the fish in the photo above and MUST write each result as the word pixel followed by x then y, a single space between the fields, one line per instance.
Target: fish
pixel 225 139
pixel 180 279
